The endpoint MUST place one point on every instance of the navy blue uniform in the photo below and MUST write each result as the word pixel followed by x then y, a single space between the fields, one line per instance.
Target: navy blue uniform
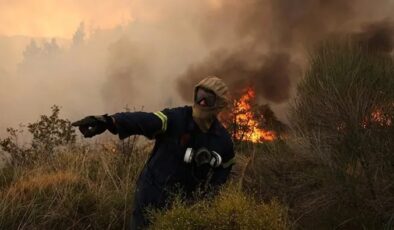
pixel 174 131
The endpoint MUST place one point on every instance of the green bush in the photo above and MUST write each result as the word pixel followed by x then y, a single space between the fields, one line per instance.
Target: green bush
pixel 231 209
pixel 276 170
pixel 336 167
pixel 343 117
pixel 51 131
pixel 47 133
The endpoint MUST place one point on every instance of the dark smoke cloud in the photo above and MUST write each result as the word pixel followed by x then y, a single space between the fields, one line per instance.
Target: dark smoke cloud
pixel 378 37
pixel 271 74
pixel 273 78
pixel 272 38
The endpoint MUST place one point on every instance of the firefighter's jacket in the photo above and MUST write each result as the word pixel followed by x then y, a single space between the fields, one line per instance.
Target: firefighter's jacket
pixel 174 131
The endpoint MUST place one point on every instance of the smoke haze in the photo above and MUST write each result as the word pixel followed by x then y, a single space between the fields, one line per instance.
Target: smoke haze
pixel 273 36
pixel 150 54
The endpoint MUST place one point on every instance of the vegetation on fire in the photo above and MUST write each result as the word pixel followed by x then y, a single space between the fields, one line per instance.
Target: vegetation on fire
pixel 332 169
pixel 335 170
pixel 247 121
pixel 342 119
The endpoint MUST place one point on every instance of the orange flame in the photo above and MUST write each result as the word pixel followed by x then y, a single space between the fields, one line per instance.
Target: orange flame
pixel 245 118
pixel 377 117
pixel 380 118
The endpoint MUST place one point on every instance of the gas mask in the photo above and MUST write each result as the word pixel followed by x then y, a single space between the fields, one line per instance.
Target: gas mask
pixel 210 97
pixel 203 156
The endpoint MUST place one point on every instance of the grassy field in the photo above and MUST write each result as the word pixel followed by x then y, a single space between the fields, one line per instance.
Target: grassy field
pixel 80 188
pixel 91 188
pixel 335 169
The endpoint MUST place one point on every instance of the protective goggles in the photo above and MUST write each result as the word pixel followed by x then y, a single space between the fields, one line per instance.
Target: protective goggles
pixel 204 97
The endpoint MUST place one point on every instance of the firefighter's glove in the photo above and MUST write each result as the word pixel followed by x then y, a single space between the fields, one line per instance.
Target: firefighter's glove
pixel 94 125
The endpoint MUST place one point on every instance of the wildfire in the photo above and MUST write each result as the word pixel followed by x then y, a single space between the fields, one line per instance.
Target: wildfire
pixel 247 126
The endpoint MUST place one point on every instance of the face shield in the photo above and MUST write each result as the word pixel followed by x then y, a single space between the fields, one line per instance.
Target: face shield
pixel 204 97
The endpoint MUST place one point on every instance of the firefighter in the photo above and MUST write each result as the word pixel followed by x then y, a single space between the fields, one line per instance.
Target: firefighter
pixel 192 149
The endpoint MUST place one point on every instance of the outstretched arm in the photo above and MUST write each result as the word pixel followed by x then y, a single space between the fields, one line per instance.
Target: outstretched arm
pixel 140 123
pixel 124 124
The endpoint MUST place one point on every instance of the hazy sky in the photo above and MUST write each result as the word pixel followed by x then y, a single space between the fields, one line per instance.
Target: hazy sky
pixel 126 53
pixel 59 18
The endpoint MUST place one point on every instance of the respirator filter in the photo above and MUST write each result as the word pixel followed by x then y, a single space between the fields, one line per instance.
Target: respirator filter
pixel 202 156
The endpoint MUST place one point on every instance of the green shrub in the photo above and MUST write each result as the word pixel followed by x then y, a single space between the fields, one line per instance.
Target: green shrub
pixel 276 170
pixel 47 133
pixel 343 116
pixel 51 131
pixel 231 209
pixel 335 168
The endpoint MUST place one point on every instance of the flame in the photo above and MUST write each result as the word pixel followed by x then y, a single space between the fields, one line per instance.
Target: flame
pixel 380 118
pixel 377 117
pixel 245 119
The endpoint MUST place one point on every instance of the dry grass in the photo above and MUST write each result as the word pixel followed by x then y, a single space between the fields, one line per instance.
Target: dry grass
pixel 79 188
pixel 39 183
pixel 92 188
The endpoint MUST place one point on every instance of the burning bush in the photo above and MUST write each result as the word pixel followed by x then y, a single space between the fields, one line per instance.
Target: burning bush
pixel 343 114
pixel 251 122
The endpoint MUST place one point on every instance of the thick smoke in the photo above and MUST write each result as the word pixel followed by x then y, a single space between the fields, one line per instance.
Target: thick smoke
pixel 154 60
pixel 378 37
pixel 273 38
pixel 269 74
